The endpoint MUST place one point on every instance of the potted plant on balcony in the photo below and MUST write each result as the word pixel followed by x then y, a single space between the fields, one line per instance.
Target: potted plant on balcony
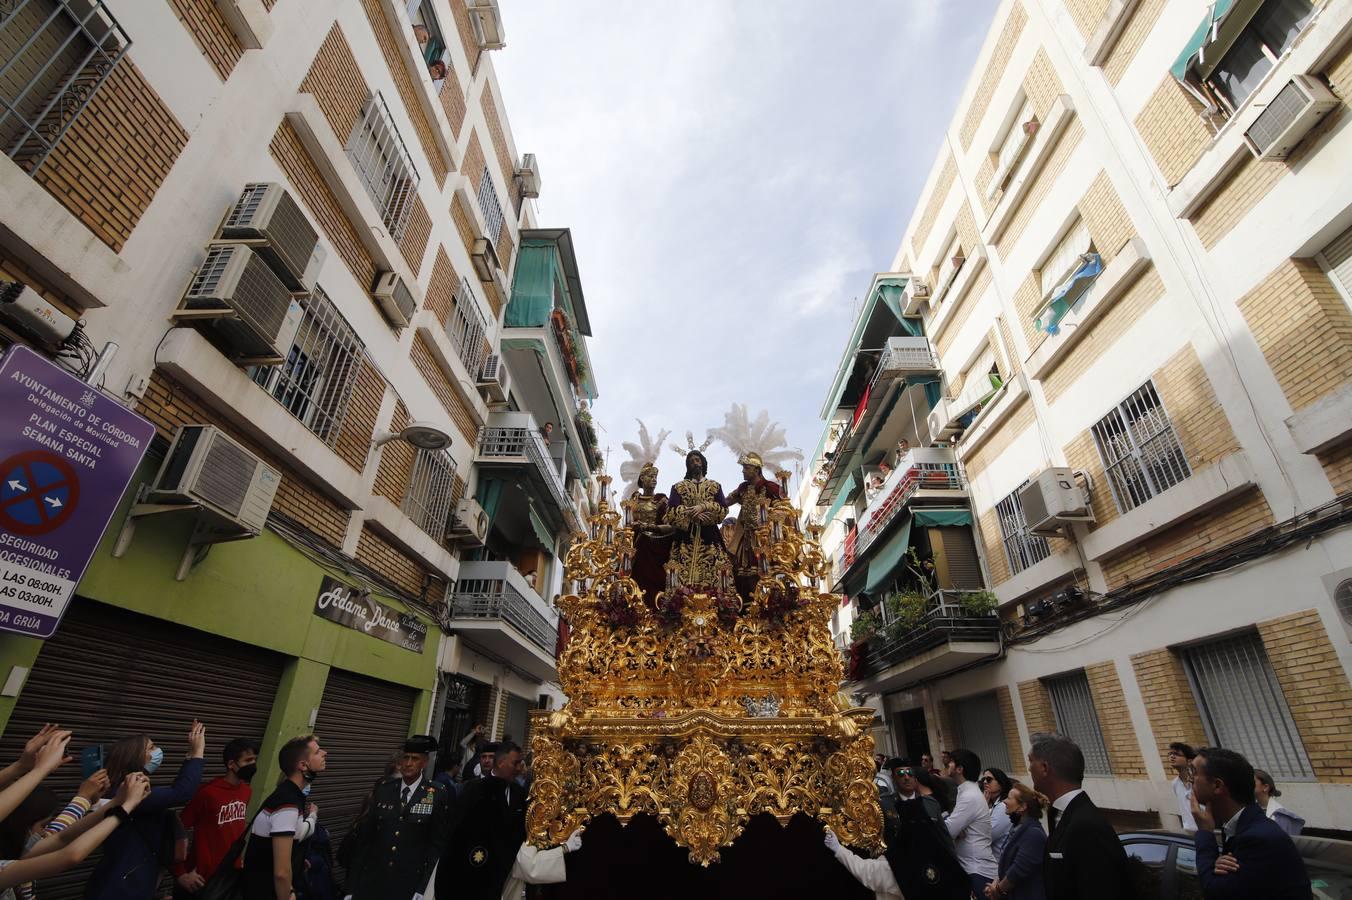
pixel 906 610
pixel 978 603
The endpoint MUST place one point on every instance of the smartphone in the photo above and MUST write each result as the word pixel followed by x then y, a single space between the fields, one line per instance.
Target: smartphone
pixel 91 760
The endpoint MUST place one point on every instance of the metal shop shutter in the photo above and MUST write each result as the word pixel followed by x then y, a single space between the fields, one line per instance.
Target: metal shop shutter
pixel 981 730
pixel 108 673
pixel 362 723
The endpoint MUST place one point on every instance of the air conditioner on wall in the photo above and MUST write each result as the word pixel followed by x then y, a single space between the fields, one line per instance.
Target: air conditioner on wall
pixel 914 296
pixel 529 173
pixel 484 256
pixel 1289 116
pixel 395 299
pixel 470 523
pixel 487 19
pixel 268 214
pixel 238 296
pixel 494 380
pixel 1053 499
pixel 207 468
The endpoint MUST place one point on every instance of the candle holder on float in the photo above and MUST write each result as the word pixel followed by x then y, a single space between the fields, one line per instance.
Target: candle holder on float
pixel 657 720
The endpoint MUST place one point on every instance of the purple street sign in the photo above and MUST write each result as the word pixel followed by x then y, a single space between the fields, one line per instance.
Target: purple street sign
pixel 67 452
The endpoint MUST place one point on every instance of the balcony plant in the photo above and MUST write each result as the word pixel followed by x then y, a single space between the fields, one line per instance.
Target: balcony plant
pixel 978 603
pixel 905 610
pixel 864 626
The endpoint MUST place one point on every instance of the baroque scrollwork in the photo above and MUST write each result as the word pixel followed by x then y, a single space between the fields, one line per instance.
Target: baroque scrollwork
pixel 658 720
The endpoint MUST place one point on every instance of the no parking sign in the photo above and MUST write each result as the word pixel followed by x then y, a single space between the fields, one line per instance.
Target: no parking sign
pixel 67 452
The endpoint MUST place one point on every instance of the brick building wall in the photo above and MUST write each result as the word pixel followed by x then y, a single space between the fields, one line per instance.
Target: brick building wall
pixel 1124 752
pixel 498 137
pixel 1316 689
pixel 1037 707
pixel 442 288
pixel 450 399
pixel 374 550
pixel 1171 126
pixel 1168 699
pixel 417 231
pixel 1016 423
pixel 115 155
pixel 359 420
pixel 1130 41
pixel 1058 155
pixel 1018 757
pixel 1086 15
pixel 463 27
pixel 337 84
pixel 995 71
pixel 453 102
pixel 464 223
pixel 396 460
pixel 211 32
pixel 942 186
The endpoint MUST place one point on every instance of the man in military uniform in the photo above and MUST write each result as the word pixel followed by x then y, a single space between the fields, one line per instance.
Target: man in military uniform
pixel 403 833
pixel 487 827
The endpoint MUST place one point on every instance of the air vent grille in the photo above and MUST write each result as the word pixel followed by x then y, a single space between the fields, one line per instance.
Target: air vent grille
pixel 226 475
pixel 1269 127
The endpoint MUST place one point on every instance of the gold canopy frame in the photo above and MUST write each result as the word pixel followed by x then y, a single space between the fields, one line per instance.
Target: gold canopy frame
pixel 701 713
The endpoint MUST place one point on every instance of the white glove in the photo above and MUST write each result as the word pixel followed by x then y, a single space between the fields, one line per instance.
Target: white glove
pixel 832 842
pixel 574 842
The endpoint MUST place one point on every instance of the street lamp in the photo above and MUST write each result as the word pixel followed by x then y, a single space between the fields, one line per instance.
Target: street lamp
pixel 423 435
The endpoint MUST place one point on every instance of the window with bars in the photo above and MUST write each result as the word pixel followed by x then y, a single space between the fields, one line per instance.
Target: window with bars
pixel 490 207
pixel 1021 548
pixel 466 330
pixel 981 729
pixel 1141 452
pixel 1077 719
pixel 316 381
pixel 384 165
pixel 54 56
pixel 431 492
pixel 1242 705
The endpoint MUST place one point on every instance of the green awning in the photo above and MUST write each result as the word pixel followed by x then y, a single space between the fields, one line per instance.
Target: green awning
pixel 882 568
pixel 542 533
pixel 1200 38
pixel 940 518
pixel 532 287
pixel 489 495
pixel 843 493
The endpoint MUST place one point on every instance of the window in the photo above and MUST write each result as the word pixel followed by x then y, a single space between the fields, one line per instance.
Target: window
pixel 1065 257
pixel 1271 29
pixel 320 372
pixel 979 381
pixel 384 165
pixel 1242 705
pixel 1077 719
pixel 54 55
pixel 1022 549
pixel 431 42
pixel 466 330
pixel 1140 449
pixel 1005 157
pixel 981 729
pixel 490 207
pixel 431 487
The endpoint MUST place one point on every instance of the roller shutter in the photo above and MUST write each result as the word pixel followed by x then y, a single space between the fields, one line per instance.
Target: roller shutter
pixel 1338 255
pixel 981 729
pixel 362 723
pixel 108 673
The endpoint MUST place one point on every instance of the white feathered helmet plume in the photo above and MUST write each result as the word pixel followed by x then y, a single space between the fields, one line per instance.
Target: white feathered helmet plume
pixel 758 443
pixel 641 455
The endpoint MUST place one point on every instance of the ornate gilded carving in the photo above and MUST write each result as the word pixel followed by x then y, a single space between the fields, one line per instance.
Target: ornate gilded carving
pixel 658 720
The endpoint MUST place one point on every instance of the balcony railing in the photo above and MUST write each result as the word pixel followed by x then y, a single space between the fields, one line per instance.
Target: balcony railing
pixel 516 443
pixel 922 469
pixel 491 598
pixel 945 623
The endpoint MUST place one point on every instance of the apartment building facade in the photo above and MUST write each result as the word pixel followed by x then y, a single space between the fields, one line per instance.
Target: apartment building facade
pixel 1131 263
pixel 306 226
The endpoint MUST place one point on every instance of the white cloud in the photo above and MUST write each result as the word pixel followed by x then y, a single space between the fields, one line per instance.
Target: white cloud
pixel 734 174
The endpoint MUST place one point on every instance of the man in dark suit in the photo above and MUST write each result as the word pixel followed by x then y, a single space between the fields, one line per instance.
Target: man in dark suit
pixel 487 827
pixel 1083 858
pixel 403 832
pixel 1259 859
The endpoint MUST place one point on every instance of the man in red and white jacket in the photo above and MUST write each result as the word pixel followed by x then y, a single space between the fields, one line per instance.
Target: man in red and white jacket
pixel 217 816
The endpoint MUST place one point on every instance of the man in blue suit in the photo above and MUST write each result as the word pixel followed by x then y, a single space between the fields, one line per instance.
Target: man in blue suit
pixel 1255 857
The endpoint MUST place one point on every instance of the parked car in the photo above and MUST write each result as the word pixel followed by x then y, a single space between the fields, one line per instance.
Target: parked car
pixel 1165 865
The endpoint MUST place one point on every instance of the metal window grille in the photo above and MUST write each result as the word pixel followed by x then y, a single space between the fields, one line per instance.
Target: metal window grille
pixel 1243 707
pixel 466 330
pixel 316 382
pixel 490 207
pixel 981 729
pixel 54 56
pixel 384 165
pixel 431 488
pixel 497 442
pixel 1021 548
pixel 1077 719
pixel 1140 449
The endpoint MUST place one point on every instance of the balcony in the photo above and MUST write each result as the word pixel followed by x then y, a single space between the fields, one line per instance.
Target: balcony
pixel 493 607
pixel 513 441
pixel 926 473
pixel 946 639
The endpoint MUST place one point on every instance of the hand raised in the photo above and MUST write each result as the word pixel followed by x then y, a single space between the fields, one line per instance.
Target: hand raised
pixel 53 753
pixel 29 757
pixel 197 739
pixel 134 788
pixel 95 786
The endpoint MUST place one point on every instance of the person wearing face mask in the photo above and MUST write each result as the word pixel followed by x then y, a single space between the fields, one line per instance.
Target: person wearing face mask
pixel 134 855
pixel 217 815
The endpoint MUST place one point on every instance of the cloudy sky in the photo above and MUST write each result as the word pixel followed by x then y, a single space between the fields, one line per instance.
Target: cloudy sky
pixel 733 174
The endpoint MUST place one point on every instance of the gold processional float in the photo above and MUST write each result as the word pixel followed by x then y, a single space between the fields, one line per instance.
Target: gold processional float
pixel 697 706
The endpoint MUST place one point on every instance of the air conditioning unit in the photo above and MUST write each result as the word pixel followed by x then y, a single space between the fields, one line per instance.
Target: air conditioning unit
pixel 494 380
pixel 246 305
pixel 914 296
pixel 529 173
pixel 25 310
pixel 470 524
pixel 395 299
pixel 267 213
pixel 487 20
pixel 209 469
pixel 1289 117
pixel 1052 499
pixel 485 259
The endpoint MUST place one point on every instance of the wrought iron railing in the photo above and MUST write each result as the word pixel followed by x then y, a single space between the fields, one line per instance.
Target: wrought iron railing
pixel 898 491
pixel 465 327
pixel 938 626
pixel 517 443
pixel 484 598
pixel 384 165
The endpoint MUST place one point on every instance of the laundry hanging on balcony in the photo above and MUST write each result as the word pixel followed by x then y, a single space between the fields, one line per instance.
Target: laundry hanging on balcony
pixel 1068 294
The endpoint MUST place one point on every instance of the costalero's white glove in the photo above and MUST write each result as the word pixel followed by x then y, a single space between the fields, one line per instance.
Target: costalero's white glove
pixel 832 842
pixel 574 842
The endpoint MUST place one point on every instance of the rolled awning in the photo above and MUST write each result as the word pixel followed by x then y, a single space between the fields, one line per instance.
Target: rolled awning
pixel 1205 34
pixel 883 566
pixel 1069 293
pixel 542 534
pixel 942 518
pixel 842 494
